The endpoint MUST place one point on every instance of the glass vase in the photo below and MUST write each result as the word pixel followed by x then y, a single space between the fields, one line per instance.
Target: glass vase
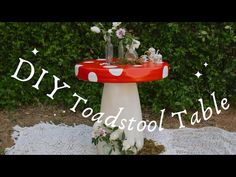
pixel 109 50
pixel 121 50
pixel 131 54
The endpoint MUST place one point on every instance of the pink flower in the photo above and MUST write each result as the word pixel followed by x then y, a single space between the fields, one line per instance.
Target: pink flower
pixel 102 132
pixel 120 33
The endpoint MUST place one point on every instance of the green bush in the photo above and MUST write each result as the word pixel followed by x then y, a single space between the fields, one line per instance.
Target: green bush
pixel 186 46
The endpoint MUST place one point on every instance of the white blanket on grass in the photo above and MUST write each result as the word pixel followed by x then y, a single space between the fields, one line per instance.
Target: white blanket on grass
pixel 47 138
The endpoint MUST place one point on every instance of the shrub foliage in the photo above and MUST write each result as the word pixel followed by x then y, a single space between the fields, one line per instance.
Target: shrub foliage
pixel 186 46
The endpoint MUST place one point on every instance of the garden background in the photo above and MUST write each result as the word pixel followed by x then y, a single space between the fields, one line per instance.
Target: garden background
pixel 186 46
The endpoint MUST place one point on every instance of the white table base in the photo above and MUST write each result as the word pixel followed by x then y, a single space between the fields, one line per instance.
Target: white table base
pixel 115 96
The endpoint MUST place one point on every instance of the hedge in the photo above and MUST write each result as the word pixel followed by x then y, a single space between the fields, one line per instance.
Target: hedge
pixel 186 46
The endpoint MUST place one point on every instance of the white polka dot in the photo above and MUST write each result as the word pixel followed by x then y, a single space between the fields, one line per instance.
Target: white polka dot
pixel 109 66
pixel 116 72
pixel 92 77
pixel 89 62
pixel 165 72
pixel 77 69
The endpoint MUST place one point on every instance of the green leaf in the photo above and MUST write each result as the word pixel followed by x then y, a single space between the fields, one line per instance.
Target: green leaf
pixel 110 152
pixel 123 135
pixel 115 128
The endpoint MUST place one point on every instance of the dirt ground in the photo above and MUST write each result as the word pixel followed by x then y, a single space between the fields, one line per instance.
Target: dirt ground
pixel 29 116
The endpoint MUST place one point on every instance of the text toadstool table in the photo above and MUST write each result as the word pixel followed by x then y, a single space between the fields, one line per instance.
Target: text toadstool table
pixel 120 90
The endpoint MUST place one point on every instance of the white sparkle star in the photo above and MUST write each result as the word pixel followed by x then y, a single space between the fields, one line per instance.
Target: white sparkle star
pixel 205 64
pixel 198 74
pixel 35 51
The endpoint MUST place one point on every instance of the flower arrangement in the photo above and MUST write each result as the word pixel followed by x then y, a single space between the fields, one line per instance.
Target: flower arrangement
pixel 131 43
pixel 114 139
pixel 124 37
pixel 120 33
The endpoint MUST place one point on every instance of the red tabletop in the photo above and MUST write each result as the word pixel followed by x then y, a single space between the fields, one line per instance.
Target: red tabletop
pixel 97 70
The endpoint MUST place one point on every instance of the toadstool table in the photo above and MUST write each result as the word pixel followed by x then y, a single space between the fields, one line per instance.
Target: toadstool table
pixel 120 90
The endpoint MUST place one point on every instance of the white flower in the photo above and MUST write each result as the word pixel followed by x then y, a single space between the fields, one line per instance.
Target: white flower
pixel 120 33
pixel 115 24
pixel 109 31
pixel 54 115
pixel 95 29
pixel 63 111
pixel 126 145
pixel 114 136
pixel 130 48
pixel 136 43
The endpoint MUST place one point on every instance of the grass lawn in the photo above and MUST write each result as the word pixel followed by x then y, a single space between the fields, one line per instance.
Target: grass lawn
pixel 29 116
